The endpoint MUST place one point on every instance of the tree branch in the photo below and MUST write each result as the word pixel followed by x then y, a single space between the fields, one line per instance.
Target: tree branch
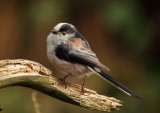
pixel 30 74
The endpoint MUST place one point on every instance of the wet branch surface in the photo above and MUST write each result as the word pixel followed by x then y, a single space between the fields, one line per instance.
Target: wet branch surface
pixel 26 73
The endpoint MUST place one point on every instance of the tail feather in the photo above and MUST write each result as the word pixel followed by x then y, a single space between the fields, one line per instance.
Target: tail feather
pixel 116 83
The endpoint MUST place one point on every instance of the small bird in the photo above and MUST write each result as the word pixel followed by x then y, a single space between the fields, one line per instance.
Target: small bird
pixel 68 50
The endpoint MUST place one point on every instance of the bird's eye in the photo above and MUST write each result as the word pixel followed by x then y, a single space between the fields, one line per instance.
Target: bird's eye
pixel 63 33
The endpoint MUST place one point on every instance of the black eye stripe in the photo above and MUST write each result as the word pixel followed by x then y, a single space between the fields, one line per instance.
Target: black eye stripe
pixel 66 28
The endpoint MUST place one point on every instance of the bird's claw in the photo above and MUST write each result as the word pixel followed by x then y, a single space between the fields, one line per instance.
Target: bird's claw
pixel 62 81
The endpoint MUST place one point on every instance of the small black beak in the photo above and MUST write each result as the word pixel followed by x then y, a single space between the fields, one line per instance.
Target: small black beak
pixel 54 32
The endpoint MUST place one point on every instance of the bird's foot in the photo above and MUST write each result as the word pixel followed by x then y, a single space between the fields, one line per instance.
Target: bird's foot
pixel 63 81
pixel 82 88
pixel 82 91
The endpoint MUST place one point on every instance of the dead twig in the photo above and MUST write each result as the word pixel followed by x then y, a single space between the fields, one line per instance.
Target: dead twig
pixel 35 102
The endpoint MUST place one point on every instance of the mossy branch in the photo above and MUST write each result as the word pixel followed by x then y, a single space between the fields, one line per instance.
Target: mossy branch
pixel 30 74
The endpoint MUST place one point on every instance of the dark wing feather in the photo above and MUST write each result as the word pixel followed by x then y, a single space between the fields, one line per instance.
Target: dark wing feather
pixel 88 59
pixel 82 56
pixel 62 51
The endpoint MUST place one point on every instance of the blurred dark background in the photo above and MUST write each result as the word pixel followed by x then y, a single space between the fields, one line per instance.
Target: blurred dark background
pixel 125 35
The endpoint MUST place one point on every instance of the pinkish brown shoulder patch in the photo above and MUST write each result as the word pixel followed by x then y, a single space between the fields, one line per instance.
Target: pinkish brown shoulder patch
pixel 77 42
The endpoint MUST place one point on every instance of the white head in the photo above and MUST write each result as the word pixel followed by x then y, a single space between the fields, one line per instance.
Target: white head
pixel 61 33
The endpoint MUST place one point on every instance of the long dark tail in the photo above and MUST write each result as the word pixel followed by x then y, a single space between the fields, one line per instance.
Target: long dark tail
pixel 116 83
